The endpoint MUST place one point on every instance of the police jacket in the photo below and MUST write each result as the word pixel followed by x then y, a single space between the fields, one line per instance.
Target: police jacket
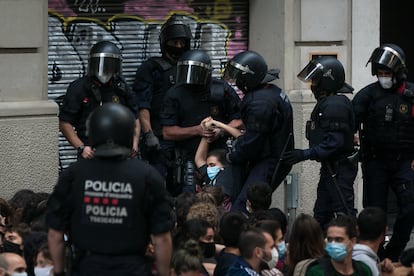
pixel 153 78
pixel 330 130
pixel 187 105
pixel 110 206
pixel 85 94
pixel 387 116
pixel 267 117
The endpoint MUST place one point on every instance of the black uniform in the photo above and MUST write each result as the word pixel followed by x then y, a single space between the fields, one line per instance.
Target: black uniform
pixel 153 78
pixel 330 132
pixel 85 94
pixel 387 143
pixel 267 116
pixel 109 208
pixel 185 106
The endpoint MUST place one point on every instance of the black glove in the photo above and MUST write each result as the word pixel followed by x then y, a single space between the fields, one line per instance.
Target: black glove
pixel 293 157
pixel 151 141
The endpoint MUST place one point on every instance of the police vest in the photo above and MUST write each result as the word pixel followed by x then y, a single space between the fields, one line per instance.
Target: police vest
pixel 332 114
pixel 389 126
pixel 164 76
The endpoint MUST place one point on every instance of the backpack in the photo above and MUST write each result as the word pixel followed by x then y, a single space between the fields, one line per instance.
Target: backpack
pixel 302 266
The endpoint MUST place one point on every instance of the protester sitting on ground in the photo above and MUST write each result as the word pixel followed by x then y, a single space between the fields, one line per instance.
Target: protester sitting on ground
pixel 14 238
pixel 6 215
pixel 372 228
pixel 306 241
pixel 232 224
pixel 182 205
pixel 43 261
pixel 273 228
pixel 187 260
pixel 202 231
pixel 215 171
pixel 13 264
pixel 259 197
pixel 277 215
pixel 341 236
pixel 207 211
pixel 255 247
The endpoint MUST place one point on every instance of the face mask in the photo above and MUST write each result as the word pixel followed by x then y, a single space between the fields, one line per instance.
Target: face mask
pixel 209 249
pixel 212 172
pixel 104 78
pixel 337 251
pixel 175 52
pixel 12 247
pixel 42 271
pixel 19 274
pixel 273 261
pixel 282 249
pixel 385 82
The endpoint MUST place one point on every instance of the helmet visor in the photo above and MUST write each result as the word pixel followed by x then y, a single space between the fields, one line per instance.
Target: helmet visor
pixel 235 70
pixel 193 72
pixel 388 57
pixel 311 71
pixel 104 66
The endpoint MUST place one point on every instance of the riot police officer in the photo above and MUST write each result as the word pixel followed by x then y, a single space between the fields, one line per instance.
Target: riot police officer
pixel 267 117
pixel 384 113
pixel 330 132
pixel 102 84
pixel 196 96
pixel 110 205
pixel 153 78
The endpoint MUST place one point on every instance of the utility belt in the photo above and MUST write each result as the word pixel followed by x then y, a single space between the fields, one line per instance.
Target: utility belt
pixel 79 254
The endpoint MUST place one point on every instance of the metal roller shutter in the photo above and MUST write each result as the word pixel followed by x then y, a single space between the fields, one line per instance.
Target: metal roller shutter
pixel 220 27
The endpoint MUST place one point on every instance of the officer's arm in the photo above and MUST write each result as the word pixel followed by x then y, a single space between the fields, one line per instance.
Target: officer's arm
pixel 163 252
pixel 136 137
pixel 67 130
pixel 57 249
pixel 332 141
pixel 176 133
pixel 145 119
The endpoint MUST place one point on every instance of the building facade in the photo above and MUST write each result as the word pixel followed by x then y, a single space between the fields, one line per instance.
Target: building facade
pixel 39 61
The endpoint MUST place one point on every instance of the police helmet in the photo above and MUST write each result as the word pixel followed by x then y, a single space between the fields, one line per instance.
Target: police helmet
pixel 194 67
pixel 247 69
pixel 175 28
pixel 111 129
pixel 326 74
pixel 105 61
pixel 391 57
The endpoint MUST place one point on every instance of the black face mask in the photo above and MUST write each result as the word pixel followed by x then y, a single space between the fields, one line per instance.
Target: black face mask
pixel 208 248
pixel 175 52
pixel 12 247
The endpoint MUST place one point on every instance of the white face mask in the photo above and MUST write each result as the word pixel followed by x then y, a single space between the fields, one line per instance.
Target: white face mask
pixel 275 258
pixel 385 82
pixel 43 271
pixel 104 78
pixel 19 274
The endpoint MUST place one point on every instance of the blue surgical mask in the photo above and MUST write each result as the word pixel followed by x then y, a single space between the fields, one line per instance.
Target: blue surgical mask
pixel 337 251
pixel 281 247
pixel 212 172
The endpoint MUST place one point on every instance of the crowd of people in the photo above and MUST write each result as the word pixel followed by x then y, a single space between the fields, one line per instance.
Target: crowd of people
pixel 175 175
